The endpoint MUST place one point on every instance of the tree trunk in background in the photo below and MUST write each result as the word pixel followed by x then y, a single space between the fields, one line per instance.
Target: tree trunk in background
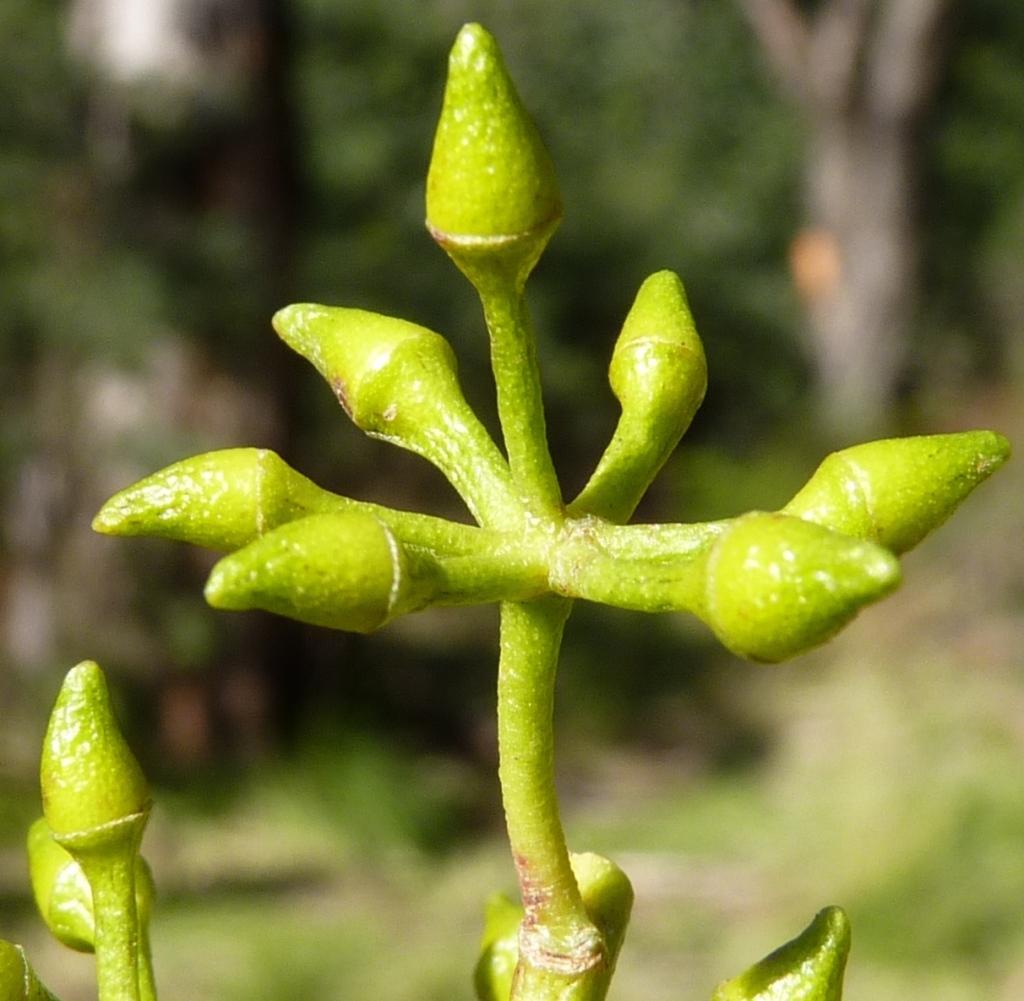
pixel 865 72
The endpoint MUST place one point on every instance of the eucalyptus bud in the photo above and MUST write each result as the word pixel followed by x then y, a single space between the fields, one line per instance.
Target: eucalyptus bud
pixel 398 381
pixel 499 949
pixel 491 187
pixel 658 374
pixel 810 968
pixel 18 981
pixel 344 571
pixel 62 892
pixel 778 586
pixel 221 500
pixel 894 492
pixel 89 776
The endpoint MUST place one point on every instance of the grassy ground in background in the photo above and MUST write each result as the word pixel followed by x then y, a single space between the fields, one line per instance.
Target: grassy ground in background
pixel 893 786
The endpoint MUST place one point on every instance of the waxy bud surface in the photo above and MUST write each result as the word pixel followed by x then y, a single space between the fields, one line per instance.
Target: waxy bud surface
pixel 778 586
pixel 344 571
pixel 894 492
pixel 88 774
pixel 809 968
pixel 490 177
pixel 220 500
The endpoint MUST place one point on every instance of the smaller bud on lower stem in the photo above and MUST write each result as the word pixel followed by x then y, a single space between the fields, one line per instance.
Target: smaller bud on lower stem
pixel 18 981
pixel 810 967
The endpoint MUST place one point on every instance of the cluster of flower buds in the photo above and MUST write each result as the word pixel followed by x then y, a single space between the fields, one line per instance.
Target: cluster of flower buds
pixel 91 884
pixel 770 585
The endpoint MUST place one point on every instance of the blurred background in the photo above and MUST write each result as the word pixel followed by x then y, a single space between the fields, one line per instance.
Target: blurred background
pixel 840 184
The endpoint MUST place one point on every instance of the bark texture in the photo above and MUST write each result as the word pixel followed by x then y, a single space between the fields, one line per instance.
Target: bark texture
pixel 865 72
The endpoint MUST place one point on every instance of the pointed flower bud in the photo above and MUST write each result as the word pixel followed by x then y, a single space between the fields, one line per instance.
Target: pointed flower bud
pixel 810 968
pixel 778 586
pixel 894 492
pixel 658 374
pixel 397 381
pixel 344 571
pixel 221 500
pixel 491 186
pixel 89 776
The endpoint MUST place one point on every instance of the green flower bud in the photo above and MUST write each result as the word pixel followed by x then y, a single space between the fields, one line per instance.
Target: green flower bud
pixel 499 949
pixel 344 571
pixel 894 492
pixel 810 968
pixel 18 981
pixel 658 374
pixel 397 381
pixel 778 586
pixel 491 186
pixel 63 894
pixel 89 776
pixel 221 500
pixel 61 891
pixel 608 897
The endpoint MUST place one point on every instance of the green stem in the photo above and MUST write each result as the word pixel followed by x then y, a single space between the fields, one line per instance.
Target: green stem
pixel 520 404
pixel 557 935
pixel 110 870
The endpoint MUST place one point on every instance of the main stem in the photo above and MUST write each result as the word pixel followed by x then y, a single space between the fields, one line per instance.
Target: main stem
pixel 557 934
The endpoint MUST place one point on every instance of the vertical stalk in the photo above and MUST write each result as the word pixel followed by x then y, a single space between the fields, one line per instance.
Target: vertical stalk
pixel 111 876
pixel 520 404
pixel 557 935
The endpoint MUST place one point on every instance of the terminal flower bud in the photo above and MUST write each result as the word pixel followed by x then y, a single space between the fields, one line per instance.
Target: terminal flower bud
pixel 778 586
pixel 398 381
pixel 658 374
pixel 810 968
pixel 89 776
pixel 491 186
pixel 894 492
pixel 220 500
pixel 344 571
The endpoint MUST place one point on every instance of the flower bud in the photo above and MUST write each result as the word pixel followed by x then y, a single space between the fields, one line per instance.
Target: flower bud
pixel 491 185
pixel 62 892
pixel 499 949
pixel 89 776
pixel 344 571
pixel 18 981
pixel 894 492
pixel 397 381
pixel 810 968
pixel 608 898
pixel 220 500
pixel 658 374
pixel 778 586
